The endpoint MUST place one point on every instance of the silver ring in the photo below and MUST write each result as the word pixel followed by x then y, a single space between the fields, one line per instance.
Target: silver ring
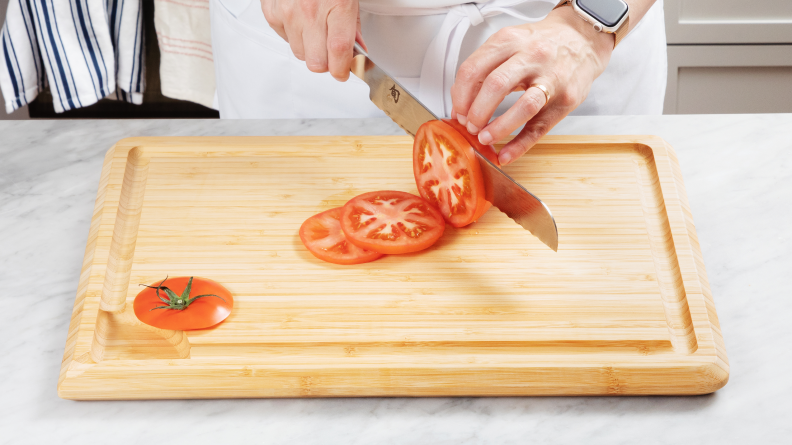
pixel 543 89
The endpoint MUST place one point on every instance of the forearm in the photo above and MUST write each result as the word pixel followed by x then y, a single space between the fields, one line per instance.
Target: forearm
pixel 602 43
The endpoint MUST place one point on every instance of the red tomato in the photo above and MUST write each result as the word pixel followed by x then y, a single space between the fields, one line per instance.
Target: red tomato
pixel 212 305
pixel 323 237
pixel 448 173
pixel 391 222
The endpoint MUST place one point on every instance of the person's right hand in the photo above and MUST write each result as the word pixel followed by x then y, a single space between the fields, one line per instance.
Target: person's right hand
pixel 321 33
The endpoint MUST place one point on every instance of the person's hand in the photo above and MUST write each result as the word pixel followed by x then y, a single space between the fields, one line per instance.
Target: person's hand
pixel 562 52
pixel 321 33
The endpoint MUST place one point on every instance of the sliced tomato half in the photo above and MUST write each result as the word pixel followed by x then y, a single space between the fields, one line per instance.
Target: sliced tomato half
pixel 205 304
pixel 322 236
pixel 391 222
pixel 448 173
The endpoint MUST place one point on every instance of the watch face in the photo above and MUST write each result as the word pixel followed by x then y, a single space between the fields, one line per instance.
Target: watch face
pixel 607 12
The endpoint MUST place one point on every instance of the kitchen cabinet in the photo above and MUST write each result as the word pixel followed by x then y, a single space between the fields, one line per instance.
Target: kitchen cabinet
pixel 729 56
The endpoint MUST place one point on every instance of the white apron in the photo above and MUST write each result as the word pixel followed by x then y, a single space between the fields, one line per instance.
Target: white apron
pixel 259 78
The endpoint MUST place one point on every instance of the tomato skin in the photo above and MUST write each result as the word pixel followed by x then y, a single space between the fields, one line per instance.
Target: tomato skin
pixel 447 172
pixel 322 236
pixel 391 222
pixel 488 151
pixel 201 313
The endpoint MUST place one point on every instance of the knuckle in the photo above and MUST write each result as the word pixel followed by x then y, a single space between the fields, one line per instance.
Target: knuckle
pixel 476 117
pixel 285 10
pixel 497 82
pixel 505 35
pixel 309 8
pixel 467 72
pixel 541 51
pixel 567 98
pixel 531 103
pixel 340 45
pixel 536 131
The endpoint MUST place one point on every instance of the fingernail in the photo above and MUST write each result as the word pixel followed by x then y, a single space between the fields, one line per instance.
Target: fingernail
pixel 504 158
pixel 462 119
pixel 485 137
pixel 472 129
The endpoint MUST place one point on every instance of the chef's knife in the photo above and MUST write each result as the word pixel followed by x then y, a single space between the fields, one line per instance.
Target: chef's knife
pixel 409 113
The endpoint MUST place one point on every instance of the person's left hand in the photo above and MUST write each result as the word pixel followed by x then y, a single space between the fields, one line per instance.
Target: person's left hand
pixel 562 52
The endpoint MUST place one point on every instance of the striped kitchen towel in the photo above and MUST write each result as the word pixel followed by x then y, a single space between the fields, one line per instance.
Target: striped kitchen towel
pixel 185 44
pixel 85 50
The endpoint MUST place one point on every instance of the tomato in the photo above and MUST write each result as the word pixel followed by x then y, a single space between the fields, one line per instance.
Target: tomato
pixel 448 173
pixel 323 237
pixel 488 151
pixel 391 222
pixel 166 305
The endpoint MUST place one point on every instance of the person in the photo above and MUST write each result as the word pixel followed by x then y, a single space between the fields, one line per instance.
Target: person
pixel 494 65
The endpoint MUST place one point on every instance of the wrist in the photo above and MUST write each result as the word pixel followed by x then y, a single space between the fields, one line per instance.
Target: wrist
pixel 601 42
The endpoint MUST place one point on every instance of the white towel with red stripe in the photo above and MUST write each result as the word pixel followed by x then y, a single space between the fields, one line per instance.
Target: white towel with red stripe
pixel 185 43
pixel 85 50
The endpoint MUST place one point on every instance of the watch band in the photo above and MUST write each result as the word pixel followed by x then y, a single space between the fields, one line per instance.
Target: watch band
pixel 620 33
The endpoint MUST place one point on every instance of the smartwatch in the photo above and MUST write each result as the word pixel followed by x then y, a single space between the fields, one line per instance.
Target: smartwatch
pixel 609 16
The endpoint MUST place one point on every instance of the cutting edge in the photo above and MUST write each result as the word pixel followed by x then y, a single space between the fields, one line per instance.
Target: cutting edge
pixel 553 241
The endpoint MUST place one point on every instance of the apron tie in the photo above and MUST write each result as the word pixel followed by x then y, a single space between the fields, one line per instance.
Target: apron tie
pixel 440 61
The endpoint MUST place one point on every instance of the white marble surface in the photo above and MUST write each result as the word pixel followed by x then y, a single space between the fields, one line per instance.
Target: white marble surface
pixel 738 171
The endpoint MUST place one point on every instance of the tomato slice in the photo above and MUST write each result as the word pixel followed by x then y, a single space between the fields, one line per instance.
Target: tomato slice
pixel 391 222
pixel 323 237
pixel 448 173
pixel 202 313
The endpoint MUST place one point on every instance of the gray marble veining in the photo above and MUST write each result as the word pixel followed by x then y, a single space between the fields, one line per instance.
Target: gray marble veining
pixel 738 173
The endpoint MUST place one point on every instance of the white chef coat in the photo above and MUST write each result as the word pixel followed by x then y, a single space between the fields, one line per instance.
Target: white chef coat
pixel 259 77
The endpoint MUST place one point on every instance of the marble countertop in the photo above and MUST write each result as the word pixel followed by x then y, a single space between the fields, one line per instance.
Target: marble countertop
pixel 738 174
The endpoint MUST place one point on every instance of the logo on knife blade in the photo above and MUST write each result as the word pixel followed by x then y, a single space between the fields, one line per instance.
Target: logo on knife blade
pixel 395 94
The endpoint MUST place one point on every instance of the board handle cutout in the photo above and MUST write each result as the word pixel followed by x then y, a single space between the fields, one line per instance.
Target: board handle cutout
pixel 119 263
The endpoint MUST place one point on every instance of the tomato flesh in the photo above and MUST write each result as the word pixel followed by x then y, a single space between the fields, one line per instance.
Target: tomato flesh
pixel 201 313
pixel 448 173
pixel 322 236
pixel 391 222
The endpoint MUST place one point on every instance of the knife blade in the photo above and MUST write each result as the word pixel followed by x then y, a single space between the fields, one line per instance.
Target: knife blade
pixel 409 113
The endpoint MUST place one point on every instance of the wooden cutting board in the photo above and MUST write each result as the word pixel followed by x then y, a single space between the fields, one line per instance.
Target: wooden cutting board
pixel 623 307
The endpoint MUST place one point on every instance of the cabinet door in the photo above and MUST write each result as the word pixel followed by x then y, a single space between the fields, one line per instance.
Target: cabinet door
pixel 729 79
pixel 728 21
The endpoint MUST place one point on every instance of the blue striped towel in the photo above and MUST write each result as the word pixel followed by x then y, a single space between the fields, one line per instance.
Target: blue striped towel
pixel 84 50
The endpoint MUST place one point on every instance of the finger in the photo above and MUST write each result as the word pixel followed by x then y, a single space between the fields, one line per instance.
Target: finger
pixel 510 76
pixel 476 68
pixel 537 127
pixel 341 34
pixel 272 20
pixel 526 107
pixel 315 41
pixel 359 35
pixel 295 39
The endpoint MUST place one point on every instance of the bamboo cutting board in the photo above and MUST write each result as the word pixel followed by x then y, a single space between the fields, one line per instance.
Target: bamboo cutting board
pixel 623 307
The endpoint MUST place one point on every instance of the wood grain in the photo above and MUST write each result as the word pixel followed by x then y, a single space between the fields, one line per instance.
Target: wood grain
pixel 623 307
